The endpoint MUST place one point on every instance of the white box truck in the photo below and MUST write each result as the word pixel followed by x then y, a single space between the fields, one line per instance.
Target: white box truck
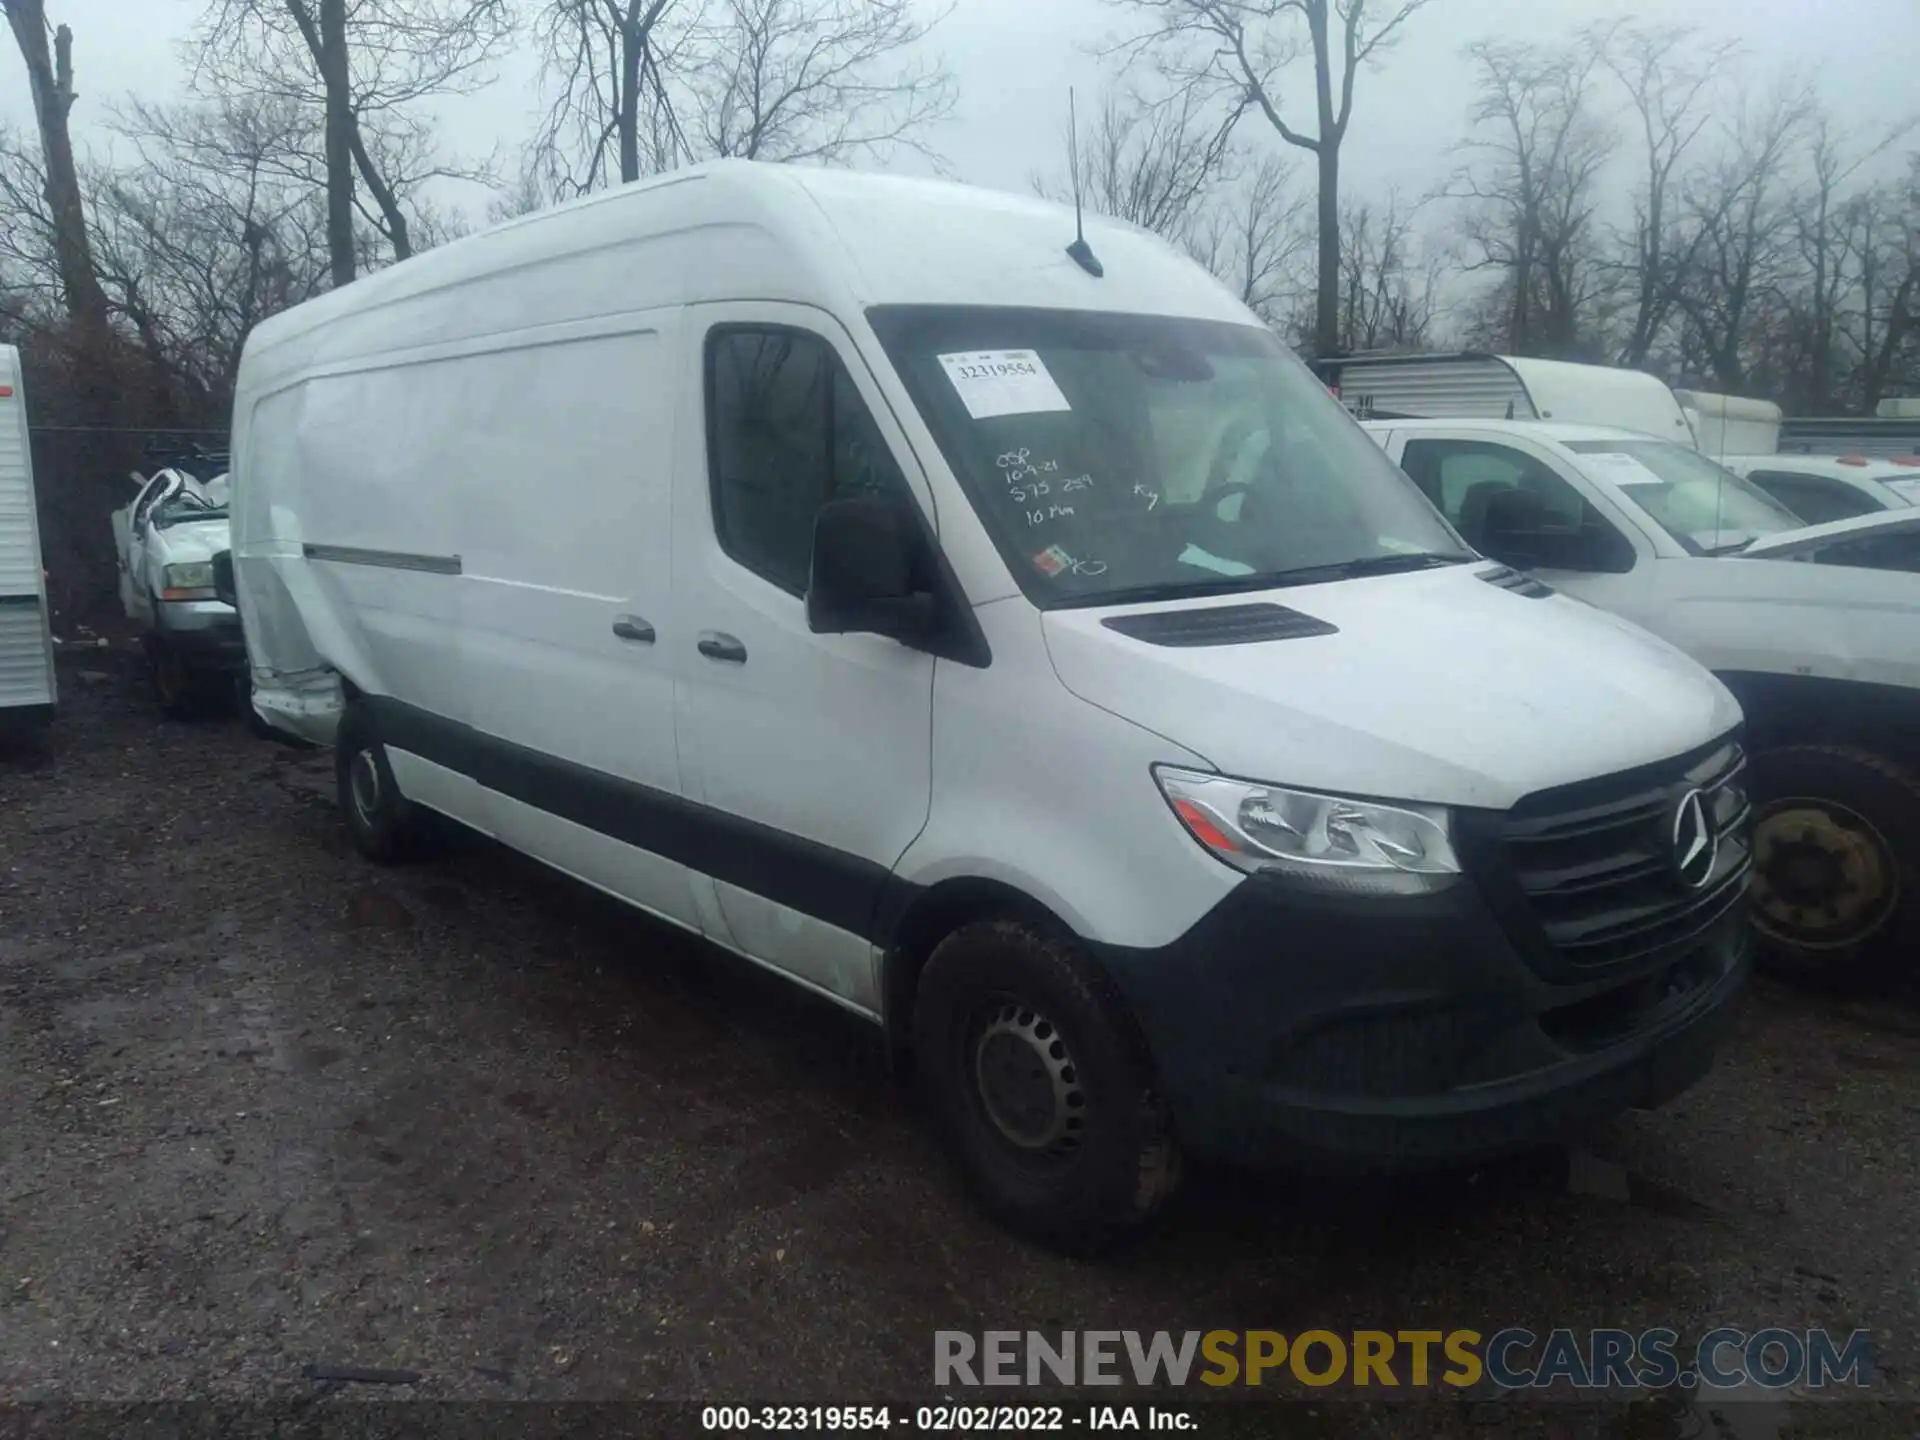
pixel 1014 645
pixel 27 685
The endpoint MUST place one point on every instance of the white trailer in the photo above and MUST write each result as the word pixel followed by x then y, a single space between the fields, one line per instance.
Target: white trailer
pixel 27 688
pixel 1731 424
pixel 1473 385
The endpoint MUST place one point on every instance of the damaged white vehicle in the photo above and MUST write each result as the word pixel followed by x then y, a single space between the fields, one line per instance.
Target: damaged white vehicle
pixel 164 541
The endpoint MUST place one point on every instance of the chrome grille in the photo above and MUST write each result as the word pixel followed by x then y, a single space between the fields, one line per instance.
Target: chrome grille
pixel 1595 863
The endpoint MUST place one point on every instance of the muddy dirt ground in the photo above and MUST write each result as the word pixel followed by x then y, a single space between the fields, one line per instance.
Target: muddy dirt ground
pixel 263 1106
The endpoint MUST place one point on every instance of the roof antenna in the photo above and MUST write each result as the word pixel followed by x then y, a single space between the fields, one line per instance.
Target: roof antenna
pixel 1079 251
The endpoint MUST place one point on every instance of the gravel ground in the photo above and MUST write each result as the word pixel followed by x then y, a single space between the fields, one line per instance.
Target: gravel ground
pixel 264 1106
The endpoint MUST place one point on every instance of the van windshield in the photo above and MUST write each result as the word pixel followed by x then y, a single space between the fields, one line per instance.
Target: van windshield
pixel 1118 458
pixel 1706 507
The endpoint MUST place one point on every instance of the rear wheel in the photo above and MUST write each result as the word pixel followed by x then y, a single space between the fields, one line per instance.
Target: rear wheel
pixel 1042 1086
pixel 1836 878
pixel 380 822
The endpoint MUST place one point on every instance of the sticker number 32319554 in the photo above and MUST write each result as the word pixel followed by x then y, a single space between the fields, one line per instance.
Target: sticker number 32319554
pixel 1003 382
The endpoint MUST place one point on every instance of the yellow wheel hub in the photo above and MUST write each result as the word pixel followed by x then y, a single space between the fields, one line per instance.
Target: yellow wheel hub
pixel 1821 876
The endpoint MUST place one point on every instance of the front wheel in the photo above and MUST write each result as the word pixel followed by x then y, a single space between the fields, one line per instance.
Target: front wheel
pixel 1836 875
pixel 176 689
pixel 1041 1084
pixel 380 822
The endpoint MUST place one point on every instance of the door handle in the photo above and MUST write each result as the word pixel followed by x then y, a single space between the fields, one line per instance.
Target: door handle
pixel 718 646
pixel 632 627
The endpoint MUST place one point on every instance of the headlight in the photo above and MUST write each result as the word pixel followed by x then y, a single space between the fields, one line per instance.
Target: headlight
pixel 192 581
pixel 1353 847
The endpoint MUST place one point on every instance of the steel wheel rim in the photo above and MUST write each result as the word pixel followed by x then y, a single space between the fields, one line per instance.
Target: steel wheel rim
pixel 1025 1081
pixel 1824 877
pixel 363 785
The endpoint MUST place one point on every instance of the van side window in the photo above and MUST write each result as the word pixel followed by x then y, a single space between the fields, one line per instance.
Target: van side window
pixel 787 431
pixel 1514 508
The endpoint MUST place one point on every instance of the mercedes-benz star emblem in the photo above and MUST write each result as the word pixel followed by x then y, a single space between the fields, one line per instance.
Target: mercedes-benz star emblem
pixel 1695 846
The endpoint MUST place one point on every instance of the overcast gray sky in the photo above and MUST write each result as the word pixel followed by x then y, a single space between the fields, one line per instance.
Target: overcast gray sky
pixel 1015 58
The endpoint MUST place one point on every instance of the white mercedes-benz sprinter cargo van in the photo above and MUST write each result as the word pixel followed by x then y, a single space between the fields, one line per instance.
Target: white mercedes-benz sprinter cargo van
pixel 1024 651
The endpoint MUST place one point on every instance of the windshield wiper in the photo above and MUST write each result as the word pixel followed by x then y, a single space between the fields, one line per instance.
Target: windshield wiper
pixel 1366 565
pixel 1270 580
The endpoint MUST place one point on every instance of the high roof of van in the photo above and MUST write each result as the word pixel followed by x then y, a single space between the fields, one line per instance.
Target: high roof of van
pixel 738 230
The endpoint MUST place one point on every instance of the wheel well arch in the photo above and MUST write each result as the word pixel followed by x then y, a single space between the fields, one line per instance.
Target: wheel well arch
pixel 1803 709
pixel 925 919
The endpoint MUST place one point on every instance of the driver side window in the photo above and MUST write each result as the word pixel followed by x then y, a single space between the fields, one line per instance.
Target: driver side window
pixel 1514 508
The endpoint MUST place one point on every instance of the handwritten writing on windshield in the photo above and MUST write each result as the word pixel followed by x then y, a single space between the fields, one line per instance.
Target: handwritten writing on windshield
pixel 1028 478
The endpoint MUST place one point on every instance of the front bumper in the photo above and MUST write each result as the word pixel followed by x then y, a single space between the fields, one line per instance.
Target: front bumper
pixel 1333 1035
pixel 205 632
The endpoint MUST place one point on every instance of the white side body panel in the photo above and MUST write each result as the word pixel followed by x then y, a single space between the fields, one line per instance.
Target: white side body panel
pixel 26 633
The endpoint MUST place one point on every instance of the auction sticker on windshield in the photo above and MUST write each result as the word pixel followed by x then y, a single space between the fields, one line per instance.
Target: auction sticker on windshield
pixel 1003 382
pixel 1623 469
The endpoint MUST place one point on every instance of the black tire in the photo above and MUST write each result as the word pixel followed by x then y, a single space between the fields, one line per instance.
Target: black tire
pixel 180 694
pixel 1836 887
pixel 1005 1010
pixel 380 822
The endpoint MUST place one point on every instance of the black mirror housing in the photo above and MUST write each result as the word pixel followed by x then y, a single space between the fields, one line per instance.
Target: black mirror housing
pixel 223 578
pixel 868 572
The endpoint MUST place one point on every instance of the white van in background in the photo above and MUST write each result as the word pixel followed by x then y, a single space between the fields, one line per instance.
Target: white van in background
pixel 1815 628
pixel 1021 651
pixel 27 685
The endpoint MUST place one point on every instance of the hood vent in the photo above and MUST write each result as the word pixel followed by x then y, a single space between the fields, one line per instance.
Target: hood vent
pixel 1508 579
pixel 1220 625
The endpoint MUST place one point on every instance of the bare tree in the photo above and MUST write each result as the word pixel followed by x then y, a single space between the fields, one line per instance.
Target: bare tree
pixel 604 61
pixel 50 79
pixel 1887 254
pixel 816 80
pixel 218 226
pixel 1531 189
pixel 1256 235
pixel 1387 290
pixel 1152 165
pixel 657 83
pixel 364 69
pixel 1740 208
pixel 29 266
pixel 1234 54
pixel 1672 78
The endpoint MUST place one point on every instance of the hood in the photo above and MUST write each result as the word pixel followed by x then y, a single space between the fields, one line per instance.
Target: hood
pixel 1793 544
pixel 188 541
pixel 1438 687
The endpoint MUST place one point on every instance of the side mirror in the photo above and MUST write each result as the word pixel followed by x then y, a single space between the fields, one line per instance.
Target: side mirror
pixel 867 565
pixel 223 578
